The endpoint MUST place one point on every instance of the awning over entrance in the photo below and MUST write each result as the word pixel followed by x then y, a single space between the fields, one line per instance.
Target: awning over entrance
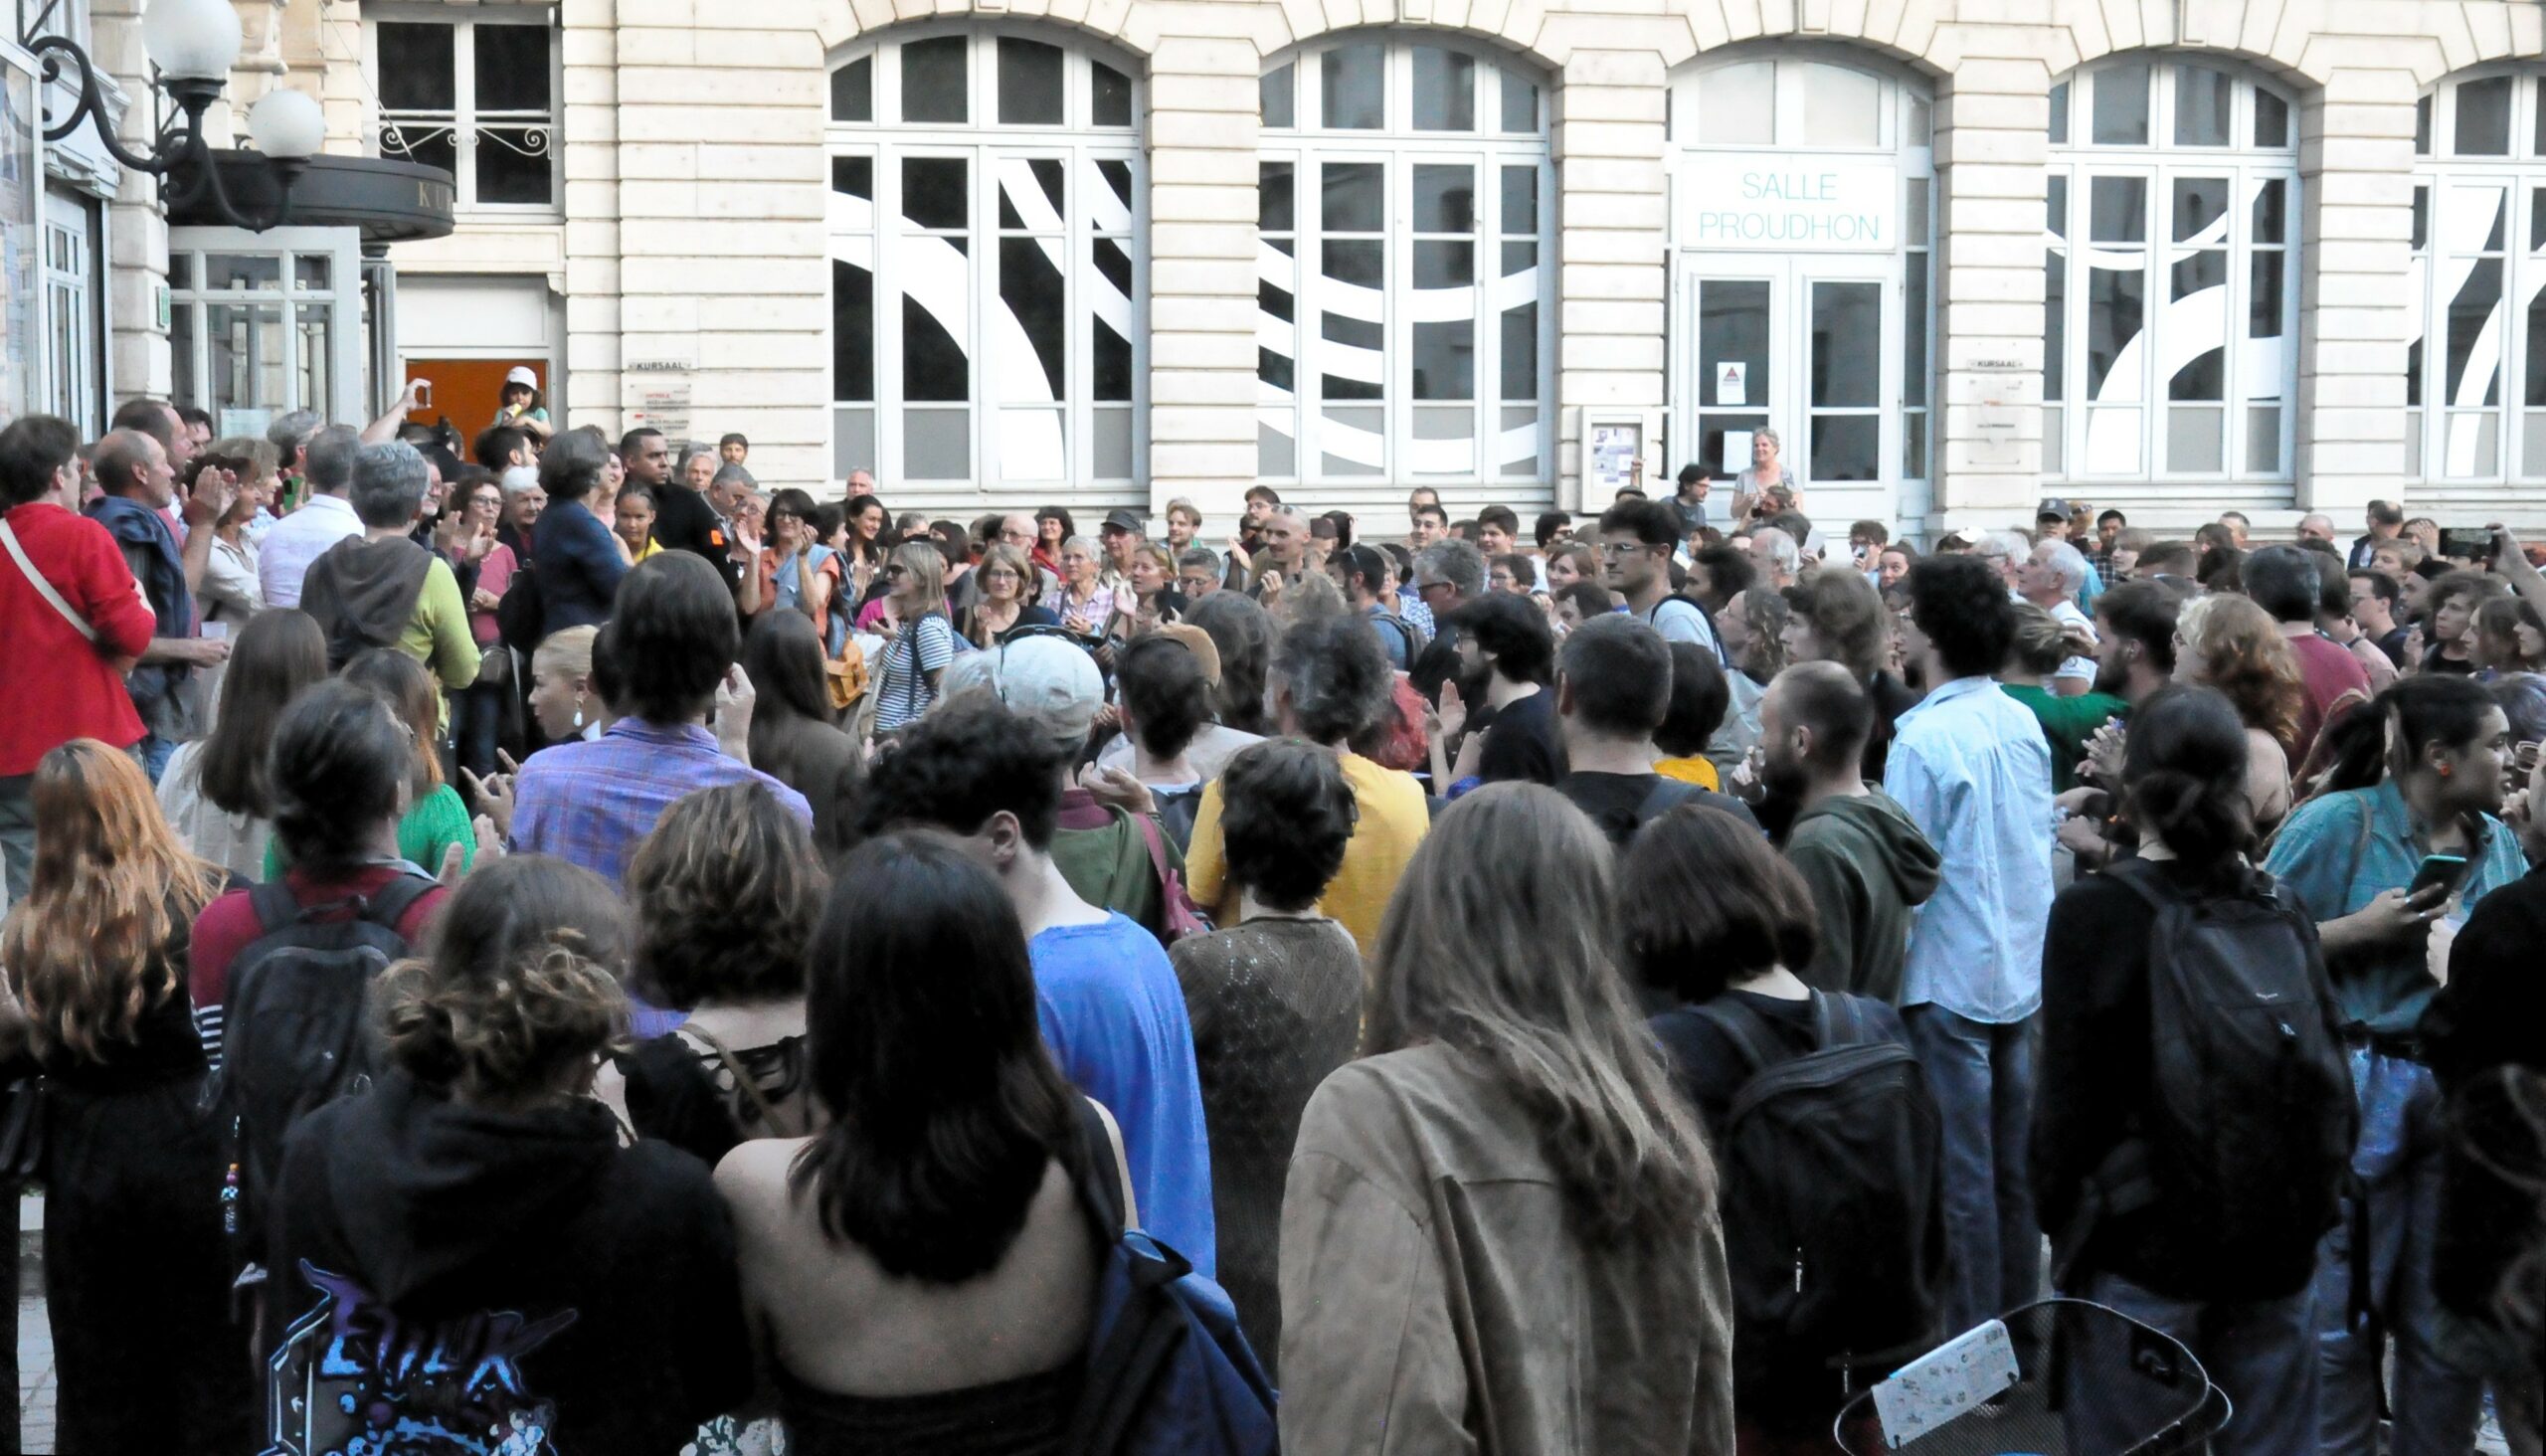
pixel 391 202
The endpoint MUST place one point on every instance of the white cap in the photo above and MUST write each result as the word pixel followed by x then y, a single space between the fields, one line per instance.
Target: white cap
pixel 1053 684
pixel 521 374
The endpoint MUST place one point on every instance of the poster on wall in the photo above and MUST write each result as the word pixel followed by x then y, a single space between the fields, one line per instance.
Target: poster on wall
pixel 1615 457
pixel 21 234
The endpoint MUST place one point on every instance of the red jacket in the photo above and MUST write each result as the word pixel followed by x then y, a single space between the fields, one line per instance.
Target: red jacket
pixel 54 685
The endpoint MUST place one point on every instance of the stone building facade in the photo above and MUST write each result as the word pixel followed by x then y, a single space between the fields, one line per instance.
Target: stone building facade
pixel 1957 254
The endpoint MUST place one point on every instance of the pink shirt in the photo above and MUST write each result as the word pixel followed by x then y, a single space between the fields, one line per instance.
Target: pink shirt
pixel 493 575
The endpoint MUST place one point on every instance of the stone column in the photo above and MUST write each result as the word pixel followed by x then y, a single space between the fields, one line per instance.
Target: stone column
pixel 2356 207
pixel 1991 142
pixel 1612 250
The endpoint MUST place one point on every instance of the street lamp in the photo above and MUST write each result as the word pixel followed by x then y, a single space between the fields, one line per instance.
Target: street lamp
pixel 191 45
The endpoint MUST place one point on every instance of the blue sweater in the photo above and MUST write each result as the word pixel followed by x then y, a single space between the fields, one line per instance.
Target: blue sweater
pixel 578 565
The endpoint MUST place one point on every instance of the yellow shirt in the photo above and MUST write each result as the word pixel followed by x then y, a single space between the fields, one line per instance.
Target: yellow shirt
pixel 1697 771
pixel 1393 819
pixel 653 548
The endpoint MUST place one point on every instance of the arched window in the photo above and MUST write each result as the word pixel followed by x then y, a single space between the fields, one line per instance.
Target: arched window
pixel 2475 371
pixel 2169 351
pixel 988 269
pixel 1406 328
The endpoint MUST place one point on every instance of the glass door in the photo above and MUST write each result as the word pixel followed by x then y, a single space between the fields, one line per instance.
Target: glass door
pixel 1804 345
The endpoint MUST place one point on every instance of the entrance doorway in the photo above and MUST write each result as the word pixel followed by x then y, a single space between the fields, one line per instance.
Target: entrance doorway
pixel 1804 345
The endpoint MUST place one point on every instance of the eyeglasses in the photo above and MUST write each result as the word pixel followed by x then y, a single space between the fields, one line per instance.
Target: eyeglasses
pixel 1426 587
pixel 895 569
pixel 1615 549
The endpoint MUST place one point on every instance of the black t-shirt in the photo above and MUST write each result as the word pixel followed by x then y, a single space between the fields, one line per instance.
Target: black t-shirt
pixel 2393 644
pixel 1621 803
pixel 1520 741
pixel 684 521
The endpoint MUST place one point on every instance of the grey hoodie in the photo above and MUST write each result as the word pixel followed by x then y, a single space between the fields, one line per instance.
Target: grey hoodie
pixel 1868 865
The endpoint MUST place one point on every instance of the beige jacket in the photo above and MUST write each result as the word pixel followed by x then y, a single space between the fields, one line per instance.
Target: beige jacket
pixel 1431 1302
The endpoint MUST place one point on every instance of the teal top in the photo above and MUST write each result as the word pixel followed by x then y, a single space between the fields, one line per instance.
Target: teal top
pixel 2337 851
pixel 432 824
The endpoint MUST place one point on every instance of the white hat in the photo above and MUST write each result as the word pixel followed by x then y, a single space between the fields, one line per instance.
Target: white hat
pixel 521 374
pixel 1053 684
pixel 517 478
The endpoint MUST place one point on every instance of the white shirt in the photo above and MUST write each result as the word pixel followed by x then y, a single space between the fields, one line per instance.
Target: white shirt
pixel 299 539
pixel 1971 768
pixel 2065 613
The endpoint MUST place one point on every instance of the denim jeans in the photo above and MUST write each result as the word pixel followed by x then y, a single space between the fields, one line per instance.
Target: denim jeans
pixel 1982 1077
pixel 154 752
pixel 2256 1351
pixel 2398 1160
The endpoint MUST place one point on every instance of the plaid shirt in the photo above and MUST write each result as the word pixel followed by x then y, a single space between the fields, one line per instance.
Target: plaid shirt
pixel 589 803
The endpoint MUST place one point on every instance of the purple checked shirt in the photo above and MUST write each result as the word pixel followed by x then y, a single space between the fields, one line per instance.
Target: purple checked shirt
pixel 589 803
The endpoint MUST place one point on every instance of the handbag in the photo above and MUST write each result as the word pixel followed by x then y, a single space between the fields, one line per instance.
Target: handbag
pixel 22 1130
pixel 847 674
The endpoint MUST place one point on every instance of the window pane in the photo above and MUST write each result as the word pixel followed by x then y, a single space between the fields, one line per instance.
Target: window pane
pixel 1738 105
pixel 1913 329
pixel 1352 94
pixel 1444 89
pixel 852 332
pixel 1029 194
pixel 1845 447
pixel 2059 114
pixel 2422 218
pixel 2203 98
pixel 2263 294
pixel 934 87
pixel 1030 290
pixel 2484 117
pixel 1278 94
pixel 2117 210
pixel 2117 305
pixel 852 441
pixel 1109 95
pixel 2192 441
pixel 512 68
pixel 1030 83
pixel 1521 200
pixel 2054 326
pixel 2271 211
pixel 2122 105
pixel 935 191
pixel 1444 198
pixel 937 444
pixel 2262 440
pixel 417 73
pixel 2203 377
pixel 1273 199
pixel 1355 260
pixel 1442 265
pixel 1354 197
pixel 261 271
pixel 934 363
pixel 2422 127
pixel 1521 352
pixel 514 164
pixel 1847 334
pixel 2271 120
pixel 854 91
pixel 1733 328
pixel 2533 389
pixel 853 177
pixel 426 144
pixel 2473 358
pixel 1520 104
pixel 1840 107
pixel 2055 208
pixel 1445 360
pixel 2200 207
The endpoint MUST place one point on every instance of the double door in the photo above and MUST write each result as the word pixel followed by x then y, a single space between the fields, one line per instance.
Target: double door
pixel 1808 345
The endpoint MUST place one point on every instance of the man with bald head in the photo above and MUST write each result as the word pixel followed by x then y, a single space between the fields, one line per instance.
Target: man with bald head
pixel 1016 530
pixel 1285 548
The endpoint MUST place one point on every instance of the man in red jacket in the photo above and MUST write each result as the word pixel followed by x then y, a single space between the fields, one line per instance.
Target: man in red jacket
pixel 73 616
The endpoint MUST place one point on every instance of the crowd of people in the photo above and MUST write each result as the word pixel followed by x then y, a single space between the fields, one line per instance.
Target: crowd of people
pixel 693 957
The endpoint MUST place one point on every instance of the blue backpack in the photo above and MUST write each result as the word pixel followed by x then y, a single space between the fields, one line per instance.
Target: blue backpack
pixel 1169 1374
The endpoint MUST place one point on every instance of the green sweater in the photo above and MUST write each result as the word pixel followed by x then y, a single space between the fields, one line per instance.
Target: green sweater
pixel 2067 724
pixel 432 824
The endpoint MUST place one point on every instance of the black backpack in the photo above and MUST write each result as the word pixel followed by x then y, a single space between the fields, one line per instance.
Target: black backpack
pixel 522 615
pixel 2246 1147
pixel 297 1024
pixel 1833 1163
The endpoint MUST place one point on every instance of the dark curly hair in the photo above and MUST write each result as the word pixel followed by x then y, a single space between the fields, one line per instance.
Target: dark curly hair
pixel 1514 632
pixel 518 988
pixel 1961 607
pixel 725 889
pixel 1286 815
pixel 962 763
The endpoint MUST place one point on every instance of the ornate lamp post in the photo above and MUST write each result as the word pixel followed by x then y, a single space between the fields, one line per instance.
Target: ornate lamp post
pixel 191 45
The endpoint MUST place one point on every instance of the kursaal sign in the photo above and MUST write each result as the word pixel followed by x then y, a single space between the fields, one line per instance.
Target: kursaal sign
pixel 1776 202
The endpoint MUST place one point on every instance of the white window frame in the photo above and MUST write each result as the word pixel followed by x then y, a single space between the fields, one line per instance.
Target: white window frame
pixel 1397 146
pixel 983 143
pixel 2444 442
pixel 2252 377
pixel 463 120
pixel 74 327
pixel 342 247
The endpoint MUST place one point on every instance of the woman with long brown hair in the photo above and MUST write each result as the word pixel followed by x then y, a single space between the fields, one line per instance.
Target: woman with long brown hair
pixel 216 792
pixel 2227 643
pixel 136 1273
pixel 1505 1053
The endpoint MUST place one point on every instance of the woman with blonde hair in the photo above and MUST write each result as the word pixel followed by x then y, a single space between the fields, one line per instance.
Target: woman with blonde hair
pixel 913 663
pixel 135 1269
pixel 562 699
pixel 1500 1234
pixel 476 1190
pixel 2224 641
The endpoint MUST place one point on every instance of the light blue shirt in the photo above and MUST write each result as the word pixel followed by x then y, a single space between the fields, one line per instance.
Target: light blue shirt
pixel 1970 766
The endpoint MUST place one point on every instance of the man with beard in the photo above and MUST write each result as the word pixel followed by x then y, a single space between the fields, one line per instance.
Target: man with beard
pixel 1867 862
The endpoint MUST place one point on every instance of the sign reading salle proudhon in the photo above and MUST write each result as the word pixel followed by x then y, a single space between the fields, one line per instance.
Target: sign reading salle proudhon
pixel 1788 203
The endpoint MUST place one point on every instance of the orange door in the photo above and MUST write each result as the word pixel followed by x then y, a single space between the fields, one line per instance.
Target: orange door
pixel 467 392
